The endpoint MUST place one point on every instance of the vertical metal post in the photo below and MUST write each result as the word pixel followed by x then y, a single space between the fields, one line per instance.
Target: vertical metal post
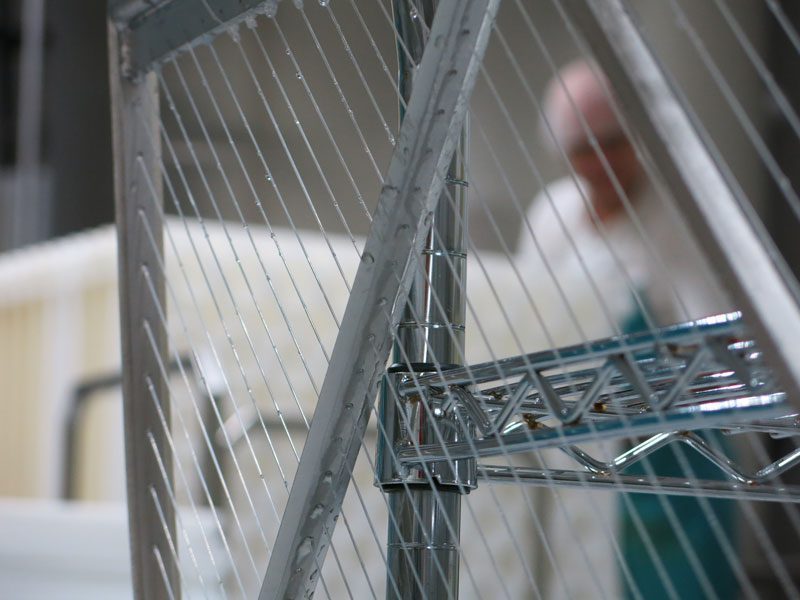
pixel 424 525
pixel 144 342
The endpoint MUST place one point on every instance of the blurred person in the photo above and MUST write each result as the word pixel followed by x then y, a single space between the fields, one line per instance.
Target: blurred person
pixel 608 256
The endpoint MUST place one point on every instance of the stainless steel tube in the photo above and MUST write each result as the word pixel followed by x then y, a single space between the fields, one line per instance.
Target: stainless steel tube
pixel 424 524
pixel 422 550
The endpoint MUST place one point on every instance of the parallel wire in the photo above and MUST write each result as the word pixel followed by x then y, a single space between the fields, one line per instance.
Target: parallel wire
pixel 178 521
pixel 342 97
pixel 533 513
pixel 730 554
pixel 237 311
pixel 262 96
pixel 162 315
pixel 166 426
pixel 217 307
pixel 751 516
pixel 785 23
pixel 499 507
pixel 222 427
pixel 163 570
pixel 477 319
pixel 179 466
pixel 249 67
pixel 247 126
pixel 739 111
pixel 323 349
pixel 696 565
pixel 336 83
pixel 758 142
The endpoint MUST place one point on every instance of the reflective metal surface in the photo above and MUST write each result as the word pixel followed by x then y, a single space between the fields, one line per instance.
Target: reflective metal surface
pixel 708 415
pixel 423 557
pixel 672 486
pixel 422 552
pixel 414 422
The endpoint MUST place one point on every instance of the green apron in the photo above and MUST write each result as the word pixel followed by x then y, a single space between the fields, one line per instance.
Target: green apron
pixel 689 513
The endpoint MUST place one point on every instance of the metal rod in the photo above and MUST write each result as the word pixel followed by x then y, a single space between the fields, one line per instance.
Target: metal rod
pixel 691 332
pixel 707 415
pixel 424 543
pixel 144 340
pixel 673 486
pixel 424 527
pixel 416 176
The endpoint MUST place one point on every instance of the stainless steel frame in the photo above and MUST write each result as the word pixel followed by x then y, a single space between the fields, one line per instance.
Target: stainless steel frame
pixel 155 30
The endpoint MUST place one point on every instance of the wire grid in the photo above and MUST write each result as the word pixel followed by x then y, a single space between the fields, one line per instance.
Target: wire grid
pixel 268 212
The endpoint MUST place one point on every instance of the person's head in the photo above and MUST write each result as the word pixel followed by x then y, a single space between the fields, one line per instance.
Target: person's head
pixel 577 100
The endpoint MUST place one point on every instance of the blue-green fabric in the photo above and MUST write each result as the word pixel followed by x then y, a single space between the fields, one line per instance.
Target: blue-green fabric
pixel 693 520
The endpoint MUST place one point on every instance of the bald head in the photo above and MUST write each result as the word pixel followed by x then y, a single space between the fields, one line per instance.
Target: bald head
pixel 576 100
pixel 575 104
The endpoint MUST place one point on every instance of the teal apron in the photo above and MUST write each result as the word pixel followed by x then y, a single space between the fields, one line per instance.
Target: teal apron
pixel 689 513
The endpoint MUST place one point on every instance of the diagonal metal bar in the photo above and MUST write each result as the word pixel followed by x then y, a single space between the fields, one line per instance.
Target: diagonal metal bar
pixel 558 408
pixel 714 414
pixel 686 377
pixel 739 249
pixel 688 333
pixel 627 366
pixel 415 179
pixel 513 404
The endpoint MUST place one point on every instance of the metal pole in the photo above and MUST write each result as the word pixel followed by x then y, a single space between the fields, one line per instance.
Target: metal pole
pixel 424 525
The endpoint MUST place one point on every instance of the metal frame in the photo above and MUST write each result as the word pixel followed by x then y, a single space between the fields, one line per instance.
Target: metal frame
pixel 143 33
pixel 424 528
pixel 700 375
pixel 144 340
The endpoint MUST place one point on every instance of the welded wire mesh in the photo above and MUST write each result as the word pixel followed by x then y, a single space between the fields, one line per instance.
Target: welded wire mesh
pixel 605 370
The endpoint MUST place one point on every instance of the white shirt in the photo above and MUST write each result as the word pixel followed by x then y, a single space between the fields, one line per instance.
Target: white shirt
pixel 586 280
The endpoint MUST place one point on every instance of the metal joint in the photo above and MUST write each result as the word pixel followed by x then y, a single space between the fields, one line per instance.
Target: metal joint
pixel 414 420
